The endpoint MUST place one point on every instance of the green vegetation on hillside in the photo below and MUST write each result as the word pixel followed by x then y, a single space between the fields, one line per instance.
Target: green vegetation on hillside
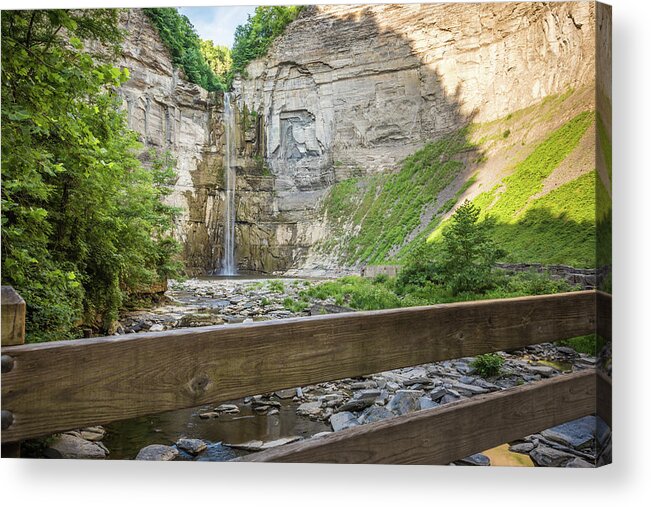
pixel 82 219
pixel 386 208
pixel 558 227
pixel 184 44
pixel 253 38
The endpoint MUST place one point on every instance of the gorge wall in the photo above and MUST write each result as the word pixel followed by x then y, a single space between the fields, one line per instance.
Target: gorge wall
pixel 346 91
pixel 353 90
pixel 176 116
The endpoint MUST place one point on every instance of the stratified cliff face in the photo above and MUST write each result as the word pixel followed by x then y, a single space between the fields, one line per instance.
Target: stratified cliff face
pixel 172 114
pixel 355 89
pixel 346 91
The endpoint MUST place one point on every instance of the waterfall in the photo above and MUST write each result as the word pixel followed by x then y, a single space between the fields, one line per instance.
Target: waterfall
pixel 228 257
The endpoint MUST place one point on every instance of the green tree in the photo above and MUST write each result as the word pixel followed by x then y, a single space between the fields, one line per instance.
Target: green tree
pixel 82 220
pixel 253 38
pixel 218 57
pixel 184 44
pixel 468 253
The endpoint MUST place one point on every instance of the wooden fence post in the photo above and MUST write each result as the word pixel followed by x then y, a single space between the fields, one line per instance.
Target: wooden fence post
pixel 13 317
pixel 13 333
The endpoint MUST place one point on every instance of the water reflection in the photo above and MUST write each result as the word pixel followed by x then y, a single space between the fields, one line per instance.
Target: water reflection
pixel 124 439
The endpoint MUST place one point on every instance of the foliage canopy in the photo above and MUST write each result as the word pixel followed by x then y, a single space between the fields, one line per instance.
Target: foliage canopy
pixel 184 44
pixel 82 220
pixel 253 38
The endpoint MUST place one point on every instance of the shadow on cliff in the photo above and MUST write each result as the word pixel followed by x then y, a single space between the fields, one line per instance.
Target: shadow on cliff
pixel 398 80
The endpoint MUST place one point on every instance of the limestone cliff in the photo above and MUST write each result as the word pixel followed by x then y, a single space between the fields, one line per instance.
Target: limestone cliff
pixel 172 114
pixel 355 89
pixel 346 91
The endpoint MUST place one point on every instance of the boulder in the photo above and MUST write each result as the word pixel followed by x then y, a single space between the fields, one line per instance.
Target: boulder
pixel 73 447
pixel 157 452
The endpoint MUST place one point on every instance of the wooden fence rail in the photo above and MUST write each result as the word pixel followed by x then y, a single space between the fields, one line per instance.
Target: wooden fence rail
pixel 441 435
pixel 56 386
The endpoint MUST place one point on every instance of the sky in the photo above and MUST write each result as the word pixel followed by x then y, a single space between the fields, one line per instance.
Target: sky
pixel 217 23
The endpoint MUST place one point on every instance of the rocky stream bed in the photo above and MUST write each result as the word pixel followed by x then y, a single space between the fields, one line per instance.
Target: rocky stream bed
pixel 239 427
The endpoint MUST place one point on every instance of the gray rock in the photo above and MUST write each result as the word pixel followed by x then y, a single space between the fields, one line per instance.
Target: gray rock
pixel 259 445
pixel 191 445
pixel 73 447
pixel 478 459
pixel 523 448
pixel 367 394
pixel 367 384
pixel 343 420
pixel 93 434
pixel 578 463
pixel 437 393
pixel 157 452
pixel 375 414
pixel 545 456
pixel 309 409
pixel 468 389
pixel 426 402
pixel 354 405
pixel 449 398
pixel 157 327
pixel 227 409
pixel 543 371
pixel 404 402
pixel 579 434
pixel 286 394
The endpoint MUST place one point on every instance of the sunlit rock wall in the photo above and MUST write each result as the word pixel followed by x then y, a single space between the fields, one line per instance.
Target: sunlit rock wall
pixel 355 89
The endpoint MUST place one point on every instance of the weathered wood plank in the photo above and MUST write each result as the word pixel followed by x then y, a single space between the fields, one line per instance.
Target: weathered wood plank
pixel 605 398
pixel 61 385
pixel 13 317
pixel 604 314
pixel 444 434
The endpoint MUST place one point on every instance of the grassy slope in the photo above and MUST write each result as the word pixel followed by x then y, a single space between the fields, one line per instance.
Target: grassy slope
pixel 373 217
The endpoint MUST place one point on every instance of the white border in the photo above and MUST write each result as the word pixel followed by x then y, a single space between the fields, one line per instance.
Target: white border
pixel 626 482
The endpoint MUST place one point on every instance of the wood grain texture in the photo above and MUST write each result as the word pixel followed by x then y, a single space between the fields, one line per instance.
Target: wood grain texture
pixel 605 398
pixel 62 385
pixel 604 314
pixel 444 434
pixel 13 317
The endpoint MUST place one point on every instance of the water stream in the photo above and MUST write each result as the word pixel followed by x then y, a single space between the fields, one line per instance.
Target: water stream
pixel 228 267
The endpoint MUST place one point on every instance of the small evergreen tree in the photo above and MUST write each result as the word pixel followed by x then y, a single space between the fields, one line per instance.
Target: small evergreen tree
pixel 469 254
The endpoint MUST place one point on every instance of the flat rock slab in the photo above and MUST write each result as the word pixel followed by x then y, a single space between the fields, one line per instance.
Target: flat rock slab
pixel 478 459
pixel 157 452
pixel 545 456
pixel 259 445
pixel 578 434
pixel 73 447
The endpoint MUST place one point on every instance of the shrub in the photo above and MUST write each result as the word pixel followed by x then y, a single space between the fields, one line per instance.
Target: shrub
pixel 294 306
pixel 488 365
pixel 276 286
